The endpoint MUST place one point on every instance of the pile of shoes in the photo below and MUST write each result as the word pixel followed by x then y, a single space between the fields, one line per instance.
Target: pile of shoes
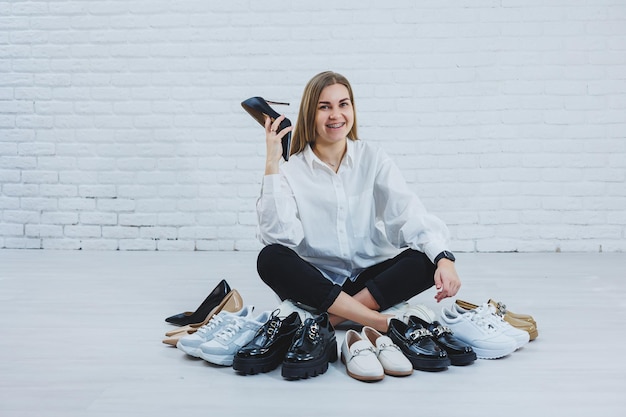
pixel 222 298
pixel 488 328
pixel 231 335
pixel 225 332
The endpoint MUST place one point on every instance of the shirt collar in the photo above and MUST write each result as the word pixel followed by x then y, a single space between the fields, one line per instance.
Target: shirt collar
pixel 312 159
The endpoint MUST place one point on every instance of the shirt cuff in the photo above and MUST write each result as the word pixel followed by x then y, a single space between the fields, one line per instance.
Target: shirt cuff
pixel 271 184
pixel 435 248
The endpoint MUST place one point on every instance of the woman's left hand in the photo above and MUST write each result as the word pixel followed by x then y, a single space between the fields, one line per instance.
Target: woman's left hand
pixel 447 280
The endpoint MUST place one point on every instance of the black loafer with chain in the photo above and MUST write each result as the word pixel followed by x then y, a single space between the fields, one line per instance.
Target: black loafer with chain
pixel 417 344
pixel 313 347
pixel 459 353
pixel 268 347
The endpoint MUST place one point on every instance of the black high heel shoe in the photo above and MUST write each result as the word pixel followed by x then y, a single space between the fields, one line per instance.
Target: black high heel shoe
pixel 212 300
pixel 259 108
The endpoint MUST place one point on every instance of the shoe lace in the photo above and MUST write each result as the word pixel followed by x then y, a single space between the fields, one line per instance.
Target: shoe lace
pixel 480 320
pixel 230 330
pixel 214 322
pixel 489 313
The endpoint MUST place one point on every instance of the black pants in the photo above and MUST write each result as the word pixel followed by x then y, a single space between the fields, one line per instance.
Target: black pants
pixel 390 282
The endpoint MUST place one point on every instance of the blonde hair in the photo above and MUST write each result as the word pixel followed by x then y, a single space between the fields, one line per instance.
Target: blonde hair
pixel 304 132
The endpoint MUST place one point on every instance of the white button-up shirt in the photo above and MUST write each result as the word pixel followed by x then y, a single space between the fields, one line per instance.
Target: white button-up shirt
pixel 347 221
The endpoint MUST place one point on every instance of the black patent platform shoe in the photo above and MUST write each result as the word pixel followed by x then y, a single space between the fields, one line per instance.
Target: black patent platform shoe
pixel 209 303
pixel 258 108
pixel 313 347
pixel 459 353
pixel 268 347
pixel 417 344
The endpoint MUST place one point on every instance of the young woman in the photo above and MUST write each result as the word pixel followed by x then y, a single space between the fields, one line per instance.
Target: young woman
pixel 342 230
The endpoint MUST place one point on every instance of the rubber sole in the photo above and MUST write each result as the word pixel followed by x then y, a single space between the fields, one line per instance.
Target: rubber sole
pixel 429 364
pixel 313 368
pixel 463 359
pixel 253 366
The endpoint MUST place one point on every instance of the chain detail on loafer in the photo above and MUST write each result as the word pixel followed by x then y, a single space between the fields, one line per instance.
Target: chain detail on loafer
pixel 313 347
pixel 460 354
pixel 268 348
pixel 416 343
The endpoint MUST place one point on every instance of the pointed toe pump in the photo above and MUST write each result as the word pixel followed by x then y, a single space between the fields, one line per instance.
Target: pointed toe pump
pixel 213 299
pixel 258 108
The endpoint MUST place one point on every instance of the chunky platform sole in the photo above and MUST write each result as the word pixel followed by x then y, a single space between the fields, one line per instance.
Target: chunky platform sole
pixel 492 353
pixel 252 366
pixel 313 368
pixel 462 359
pixel 430 364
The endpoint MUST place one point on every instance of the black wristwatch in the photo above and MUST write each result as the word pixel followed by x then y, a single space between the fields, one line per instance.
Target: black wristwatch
pixel 445 254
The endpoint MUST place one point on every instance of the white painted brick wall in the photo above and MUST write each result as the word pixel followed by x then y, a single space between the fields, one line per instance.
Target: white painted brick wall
pixel 121 129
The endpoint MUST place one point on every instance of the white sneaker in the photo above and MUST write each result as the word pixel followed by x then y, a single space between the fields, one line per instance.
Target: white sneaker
pixel 221 349
pixel 404 310
pixel 388 353
pixel 490 313
pixel 190 344
pixel 488 341
pixel 359 356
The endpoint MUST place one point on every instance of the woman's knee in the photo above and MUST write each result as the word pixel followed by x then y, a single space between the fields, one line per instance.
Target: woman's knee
pixel 269 253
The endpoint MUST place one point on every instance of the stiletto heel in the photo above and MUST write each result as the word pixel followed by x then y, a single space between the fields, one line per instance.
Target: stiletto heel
pixel 258 108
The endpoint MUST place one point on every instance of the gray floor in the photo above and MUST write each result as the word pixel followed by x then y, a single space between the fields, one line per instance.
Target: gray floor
pixel 82 337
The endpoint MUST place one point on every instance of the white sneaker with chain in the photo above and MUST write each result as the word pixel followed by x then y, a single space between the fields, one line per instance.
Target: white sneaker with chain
pixel 190 344
pixel 221 349
pixel 476 330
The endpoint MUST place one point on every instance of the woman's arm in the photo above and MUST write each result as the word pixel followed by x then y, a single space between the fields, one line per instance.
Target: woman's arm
pixel 276 207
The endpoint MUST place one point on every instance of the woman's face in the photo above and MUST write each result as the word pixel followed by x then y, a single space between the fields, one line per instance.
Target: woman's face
pixel 335 115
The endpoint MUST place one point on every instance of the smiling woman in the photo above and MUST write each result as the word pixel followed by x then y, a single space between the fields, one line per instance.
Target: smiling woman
pixel 343 232
pixel 333 122
pixel 306 132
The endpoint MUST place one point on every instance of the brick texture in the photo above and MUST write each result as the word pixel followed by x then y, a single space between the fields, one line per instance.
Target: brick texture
pixel 121 129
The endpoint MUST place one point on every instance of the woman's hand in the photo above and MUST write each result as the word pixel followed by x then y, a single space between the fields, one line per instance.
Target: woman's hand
pixel 274 144
pixel 447 280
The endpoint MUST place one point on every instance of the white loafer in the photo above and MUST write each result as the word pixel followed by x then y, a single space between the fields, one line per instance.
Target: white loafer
pixel 389 354
pixel 360 359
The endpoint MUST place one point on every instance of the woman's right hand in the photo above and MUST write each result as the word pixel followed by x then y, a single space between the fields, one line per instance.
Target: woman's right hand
pixel 274 144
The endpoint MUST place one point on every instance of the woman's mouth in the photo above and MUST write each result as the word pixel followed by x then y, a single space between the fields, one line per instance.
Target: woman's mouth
pixel 336 125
